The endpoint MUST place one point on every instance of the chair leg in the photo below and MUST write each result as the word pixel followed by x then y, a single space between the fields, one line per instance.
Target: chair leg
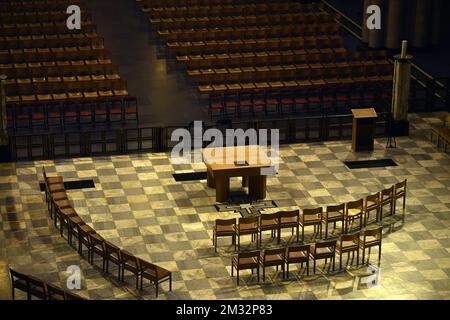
pixel 314 266
pixel 237 275
pixel 334 262
pixel 170 282
pixel 307 268
pixel 340 261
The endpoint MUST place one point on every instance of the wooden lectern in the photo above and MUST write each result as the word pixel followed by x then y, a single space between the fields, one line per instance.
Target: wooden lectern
pixel 363 131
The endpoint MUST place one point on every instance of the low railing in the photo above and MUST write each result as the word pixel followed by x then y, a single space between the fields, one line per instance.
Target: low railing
pixel 103 142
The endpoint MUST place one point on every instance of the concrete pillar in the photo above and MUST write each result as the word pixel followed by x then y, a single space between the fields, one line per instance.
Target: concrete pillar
pixel 3 116
pixel 401 90
pixel 421 23
pixel 395 23
pixel 438 9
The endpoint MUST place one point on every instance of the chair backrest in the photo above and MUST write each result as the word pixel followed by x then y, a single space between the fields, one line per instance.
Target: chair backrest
pixel 336 208
pixel 326 244
pixel 350 237
pixel 376 232
pixel 305 248
pixel 144 265
pixel 226 222
pixel 358 204
pixel 269 216
pixel 111 248
pixel 373 198
pixel 17 276
pixel 400 187
pixel 72 223
pixel 94 241
pixel 313 211
pixel 128 256
pixel 55 293
pixel 35 283
pixel 289 214
pixel 387 193
pixel 251 254
pixel 249 220
pixel 272 252
pixel 44 173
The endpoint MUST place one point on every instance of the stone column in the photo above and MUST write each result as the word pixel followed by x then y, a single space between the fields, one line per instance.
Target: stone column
pixel 4 141
pixel 400 92
pixel 395 23
pixel 422 23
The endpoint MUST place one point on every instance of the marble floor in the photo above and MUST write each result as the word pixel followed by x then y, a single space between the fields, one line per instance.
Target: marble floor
pixel 137 205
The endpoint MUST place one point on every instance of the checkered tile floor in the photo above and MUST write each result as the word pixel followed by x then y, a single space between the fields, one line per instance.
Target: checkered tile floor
pixel 138 205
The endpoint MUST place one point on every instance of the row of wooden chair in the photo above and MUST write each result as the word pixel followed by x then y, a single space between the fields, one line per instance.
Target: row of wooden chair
pixel 188 3
pixel 57 69
pixel 323 250
pixel 50 40
pixel 267 31
pixel 61 209
pixel 345 213
pixel 25 6
pixel 72 85
pixel 31 55
pixel 39 16
pixel 34 287
pixel 297 98
pixel 107 108
pixel 226 9
pixel 295 72
pixel 41 28
pixel 281 57
pixel 228 46
pixel 248 19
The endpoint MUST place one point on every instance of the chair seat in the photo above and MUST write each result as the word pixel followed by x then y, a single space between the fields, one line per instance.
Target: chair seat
pixel 246 263
pixel 371 240
pixel 86 228
pixel 52 180
pixel 353 212
pixel 272 259
pixel 151 273
pixel 294 255
pixel 310 219
pixel 269 223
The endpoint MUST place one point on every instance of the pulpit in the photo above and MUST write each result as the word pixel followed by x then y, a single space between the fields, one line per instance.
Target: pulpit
pixel 363 131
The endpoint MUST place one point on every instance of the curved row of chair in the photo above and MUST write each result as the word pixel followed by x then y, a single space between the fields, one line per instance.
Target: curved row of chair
pixel 324 250
pixel 34 16
pixel 62 211
pixel 21 29
pixel 20 6
pixel 193 10
pixel 345 213
pixel 35 287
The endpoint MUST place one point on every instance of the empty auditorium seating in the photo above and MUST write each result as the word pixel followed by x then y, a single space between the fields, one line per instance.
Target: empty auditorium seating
pixel 260 58
pixel 57 76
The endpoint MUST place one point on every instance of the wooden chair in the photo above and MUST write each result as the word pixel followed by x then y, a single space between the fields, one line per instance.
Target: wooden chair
pixel 37 288
pixel 74 223
pixel 354 210
pixel 334 214
pixel 247 226
pixel 72 296
pixel 97 246
pixel 63 214
pixel 52 184
pixel 224 228
pixel 387 198
pixel 155 274
pixel 273 258
pixel 323 250
pixel 268 221
pixel 83 231
pixel 19 281
pixel 245 261
pixel 372 203
pixel 348 243
pixel 130 263
pixel 297 254
pixel 113 254
pixel 289 219
pixel 311 217
pixel 371 238
pixel 399 193
pixel 55 293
